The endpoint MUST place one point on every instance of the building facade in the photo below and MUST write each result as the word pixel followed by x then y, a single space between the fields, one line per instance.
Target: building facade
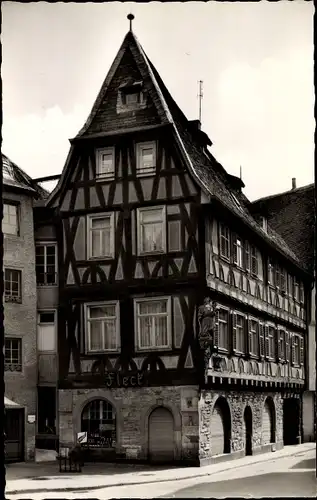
pixel 20 359
pixel 292 215
pixel 173 342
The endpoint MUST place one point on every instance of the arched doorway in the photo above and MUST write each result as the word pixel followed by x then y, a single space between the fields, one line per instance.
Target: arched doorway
pixel 268 422
pixel 98 419
pixel 291 421
pixel 220 428
pixel 161 435
pixel 247 419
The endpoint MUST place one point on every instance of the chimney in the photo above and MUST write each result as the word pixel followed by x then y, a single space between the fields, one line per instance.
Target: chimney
pixel 294 183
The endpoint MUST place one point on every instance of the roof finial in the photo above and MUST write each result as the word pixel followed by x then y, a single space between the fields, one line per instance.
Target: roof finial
pixel 240 172
pixel 130 17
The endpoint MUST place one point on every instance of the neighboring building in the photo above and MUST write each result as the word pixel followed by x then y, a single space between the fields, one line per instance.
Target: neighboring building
pixel 20 358
pixel 292 215
pixel 148 224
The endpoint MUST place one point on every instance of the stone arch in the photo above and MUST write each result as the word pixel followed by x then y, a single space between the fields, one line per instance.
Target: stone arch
pixel 222 407
pixel 269 407
pixel 177 426
pixel 85 399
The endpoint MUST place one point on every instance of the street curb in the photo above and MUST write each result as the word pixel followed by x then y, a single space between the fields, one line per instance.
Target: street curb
pixel 150 481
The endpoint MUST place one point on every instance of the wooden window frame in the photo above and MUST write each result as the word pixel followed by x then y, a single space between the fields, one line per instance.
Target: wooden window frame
pixel 102 176
pixel 168 315
pixel 247 256
pixel 87 321
pixel 142 171
pixel 255 335
pixel 296 289
pixel 9 366
pixel 9 297
pixel 268 327
pixel 223 229
pixel 221 308
pixel 47 244
pixel 235 316
pixel 238 250
pixel 90 218
pixel 281 335
pixel 17 206
pixel 271 273
pixel 39 323
pixel 140 251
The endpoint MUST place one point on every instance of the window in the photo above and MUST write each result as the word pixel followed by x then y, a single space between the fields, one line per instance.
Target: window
pixel 153 323
pixel 254 261
pixel 296 289
pixel 46 331
pixel 247 256
pixel 12 285
pixel 10 221
pixel 46 405
pixel 301 293
pixel 46 264
pixel 223 322
pixel 253 337
pixel 296 350
pixel 132 98
pixel 224 241
pixel 282 280
pixel 237 252
pixel 277 276
pixel 102 326
pixel 290 285
pixel 105 162
pixel 281 344
pixel 151 230
pixel 13 354
pixel 270 342
pixel 240 333
pixel 270 273
pixel 101 236
pixel 146 158
pixel 98 419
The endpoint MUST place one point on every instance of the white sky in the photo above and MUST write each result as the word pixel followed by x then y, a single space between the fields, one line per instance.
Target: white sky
pixel 255 59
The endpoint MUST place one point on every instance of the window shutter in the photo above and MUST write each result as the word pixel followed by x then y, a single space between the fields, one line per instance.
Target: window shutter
pixel 234 248
pixel 302 353
pixel 266 340
pixel 287 346
pixel 216 329
pixel 254 261
pixel 249 335
pixel 278 345
pixel 247 255
pixel 234 331
pixel 261 339
pixel 282 278
pixel 293 349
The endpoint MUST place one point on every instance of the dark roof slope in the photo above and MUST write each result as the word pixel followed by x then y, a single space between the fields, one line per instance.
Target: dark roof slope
pixel 292 215
pixel 15 177
pixel 208 173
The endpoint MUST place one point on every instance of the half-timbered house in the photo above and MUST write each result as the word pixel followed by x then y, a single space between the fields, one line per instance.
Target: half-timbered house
pixel 148 225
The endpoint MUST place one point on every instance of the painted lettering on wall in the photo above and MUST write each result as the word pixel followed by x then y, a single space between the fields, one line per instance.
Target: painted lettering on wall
pixel 123 380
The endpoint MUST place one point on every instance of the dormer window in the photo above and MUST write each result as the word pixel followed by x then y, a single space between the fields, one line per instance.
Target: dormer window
pixel 146 158
pixel 105 163
pixel 130 97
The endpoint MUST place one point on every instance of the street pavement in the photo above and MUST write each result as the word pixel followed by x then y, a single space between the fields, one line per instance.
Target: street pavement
pixel 288 472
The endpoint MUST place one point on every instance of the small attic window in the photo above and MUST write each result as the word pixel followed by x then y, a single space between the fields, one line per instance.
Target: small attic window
pixel 263 221
pixel 130 96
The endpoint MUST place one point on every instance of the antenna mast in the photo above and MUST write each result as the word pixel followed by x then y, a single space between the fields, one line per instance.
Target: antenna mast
pixel 200 96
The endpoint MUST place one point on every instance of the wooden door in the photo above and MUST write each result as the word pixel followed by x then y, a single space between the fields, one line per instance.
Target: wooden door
pixel 14 429
pixel 161 436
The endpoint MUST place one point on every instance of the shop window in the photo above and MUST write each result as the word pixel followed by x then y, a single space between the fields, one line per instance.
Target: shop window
pixel 98 419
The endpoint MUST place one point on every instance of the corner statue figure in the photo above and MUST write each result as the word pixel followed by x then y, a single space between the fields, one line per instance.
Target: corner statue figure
pixel 206 319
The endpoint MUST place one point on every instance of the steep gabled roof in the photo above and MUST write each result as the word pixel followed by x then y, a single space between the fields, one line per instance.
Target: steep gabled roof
pixel 209 174
pixel 15 177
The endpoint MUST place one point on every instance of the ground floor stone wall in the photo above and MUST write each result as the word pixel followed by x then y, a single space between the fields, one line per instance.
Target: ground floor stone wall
pixel 237 402
pixel 133 407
